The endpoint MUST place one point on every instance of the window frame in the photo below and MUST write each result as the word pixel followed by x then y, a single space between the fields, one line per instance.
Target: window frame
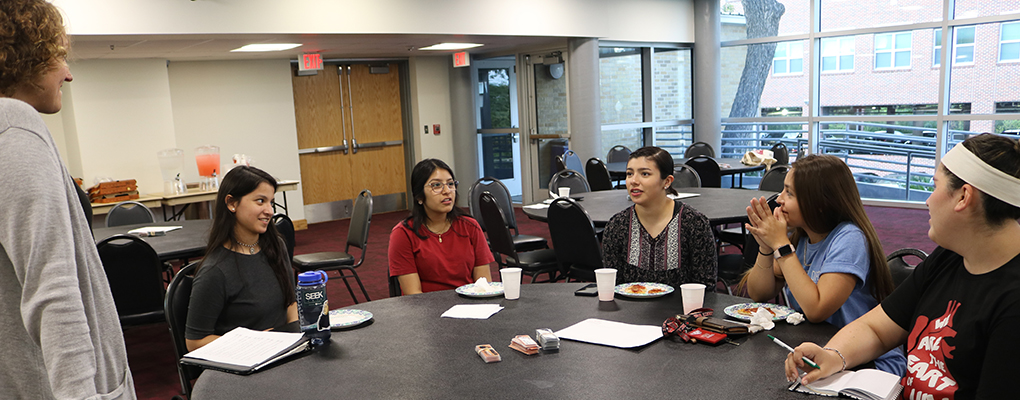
pixel 789 58
pixel 893 50
pixel 1011 41
pixel 957 46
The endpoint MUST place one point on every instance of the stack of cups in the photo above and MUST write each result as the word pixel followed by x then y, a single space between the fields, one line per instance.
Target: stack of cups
pixel 511 278
pixel 605 279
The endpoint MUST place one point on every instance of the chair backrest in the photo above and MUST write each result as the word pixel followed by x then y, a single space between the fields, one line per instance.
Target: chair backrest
pixel 560 164
pixel 286 228
pixel 618 153
pixel 780 153
pixel 178 297
pixel 135 275
pixel 773 180
pixel 573 238
pixel 573 161
pixel 699 149
pixel 685 177
pixel 129 212
pixel 708 170
pixel 394 286
pixel 899 267
pixel 502 195
pixel 361 220
pixel 500 240
pixel 598 175
pixel 568 178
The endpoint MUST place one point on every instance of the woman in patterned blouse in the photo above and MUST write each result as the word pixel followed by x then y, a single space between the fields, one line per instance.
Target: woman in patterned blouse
pixel 658 239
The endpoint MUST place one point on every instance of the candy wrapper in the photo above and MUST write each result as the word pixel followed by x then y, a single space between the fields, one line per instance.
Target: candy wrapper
pixel 763 318
pixel 487 353
pixel 524 344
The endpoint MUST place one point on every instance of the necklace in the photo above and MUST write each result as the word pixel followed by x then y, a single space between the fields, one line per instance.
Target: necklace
pixel 440 234
pixel 251 247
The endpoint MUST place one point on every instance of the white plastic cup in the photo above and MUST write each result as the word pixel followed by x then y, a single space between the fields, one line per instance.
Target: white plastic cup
pixel 605 278
pixel 564 191
pixel 693 295
pixel 511 278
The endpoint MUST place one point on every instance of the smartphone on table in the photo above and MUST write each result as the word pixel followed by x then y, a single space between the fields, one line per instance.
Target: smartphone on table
pixel 590 289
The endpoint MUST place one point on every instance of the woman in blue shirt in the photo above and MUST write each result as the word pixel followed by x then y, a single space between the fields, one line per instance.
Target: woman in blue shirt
pixel 819 248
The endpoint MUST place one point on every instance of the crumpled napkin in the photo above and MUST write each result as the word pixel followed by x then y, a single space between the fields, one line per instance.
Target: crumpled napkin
pixel 482 286
pixel 795 318
pixel 763 318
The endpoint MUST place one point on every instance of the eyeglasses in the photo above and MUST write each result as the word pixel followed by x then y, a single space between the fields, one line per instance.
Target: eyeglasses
pixel 437 187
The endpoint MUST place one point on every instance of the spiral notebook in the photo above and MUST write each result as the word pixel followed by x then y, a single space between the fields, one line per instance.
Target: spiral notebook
pixel 866 384
pixel 244 351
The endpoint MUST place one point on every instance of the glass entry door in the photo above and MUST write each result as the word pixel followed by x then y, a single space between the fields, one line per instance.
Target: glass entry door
pixel 496 113
pixel 547 117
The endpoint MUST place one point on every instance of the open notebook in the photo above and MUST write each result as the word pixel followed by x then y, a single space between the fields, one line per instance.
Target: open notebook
pixel 866 384
pixel 244 351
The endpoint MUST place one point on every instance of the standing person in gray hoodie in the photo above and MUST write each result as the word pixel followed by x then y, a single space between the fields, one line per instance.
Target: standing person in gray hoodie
pixel 58 324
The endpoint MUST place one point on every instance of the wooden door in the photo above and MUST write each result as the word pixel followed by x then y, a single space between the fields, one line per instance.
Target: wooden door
pixel 350 133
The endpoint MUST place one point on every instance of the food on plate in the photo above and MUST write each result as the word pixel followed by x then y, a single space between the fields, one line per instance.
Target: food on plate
pixel 637 289
pixel 751 310
pixel 656 290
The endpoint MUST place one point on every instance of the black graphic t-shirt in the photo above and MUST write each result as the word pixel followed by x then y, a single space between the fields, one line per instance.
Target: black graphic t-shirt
pixel 962 329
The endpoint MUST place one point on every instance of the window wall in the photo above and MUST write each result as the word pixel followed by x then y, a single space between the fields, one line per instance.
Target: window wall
pixel 645 97
pixel 870 83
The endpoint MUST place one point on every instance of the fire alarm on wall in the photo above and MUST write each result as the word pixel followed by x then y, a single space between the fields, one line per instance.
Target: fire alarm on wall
pixel 435 129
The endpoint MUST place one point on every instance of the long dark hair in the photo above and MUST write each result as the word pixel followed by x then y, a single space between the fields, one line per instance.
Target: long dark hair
pixel 1003 154
pixel 419 177
pixel 239 182
pixel 827 195
pixel 662 159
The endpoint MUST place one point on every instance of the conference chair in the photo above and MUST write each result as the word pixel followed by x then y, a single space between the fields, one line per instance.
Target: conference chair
pixel 568 178
pixel 342 261
pixel 134 272
pixel 128 213
pixel 573 161
pixel 574 241
pixel 618 153
pixel 560 164
pixel 708 170
pixel 598 175
pixel 500 192
pixel 286 229
pixel 780 153
pixel 532 263
pixel 175 307
pixel 733 266
pixel 685 177
pixel 699 149
pixel 394 285
pixel 898 265
pixel 773 180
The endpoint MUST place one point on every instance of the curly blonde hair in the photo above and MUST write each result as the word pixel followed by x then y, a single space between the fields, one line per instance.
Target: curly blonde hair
pixel 31 37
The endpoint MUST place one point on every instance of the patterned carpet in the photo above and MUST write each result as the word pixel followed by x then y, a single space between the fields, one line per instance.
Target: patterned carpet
pixel 150 351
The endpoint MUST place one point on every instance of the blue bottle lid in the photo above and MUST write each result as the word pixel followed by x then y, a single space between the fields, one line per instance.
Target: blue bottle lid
pixel 312 278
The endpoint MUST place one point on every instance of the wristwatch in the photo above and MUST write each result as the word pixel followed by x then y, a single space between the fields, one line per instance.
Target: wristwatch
pixel 784 251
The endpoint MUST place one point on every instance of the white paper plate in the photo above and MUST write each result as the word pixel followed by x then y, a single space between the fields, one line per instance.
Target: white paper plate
pixel 743 311
pixel 659 289
pixel 346 318
pixel 470 291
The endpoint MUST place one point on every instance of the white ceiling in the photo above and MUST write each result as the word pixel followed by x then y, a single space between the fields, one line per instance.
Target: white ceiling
pixel 217 47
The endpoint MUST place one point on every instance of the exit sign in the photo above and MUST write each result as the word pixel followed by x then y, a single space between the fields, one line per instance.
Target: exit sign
pixel 310 62
pixel 461 59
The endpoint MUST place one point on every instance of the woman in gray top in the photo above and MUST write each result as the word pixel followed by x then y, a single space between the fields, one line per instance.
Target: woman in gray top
pixel 58 323
pixel 245 278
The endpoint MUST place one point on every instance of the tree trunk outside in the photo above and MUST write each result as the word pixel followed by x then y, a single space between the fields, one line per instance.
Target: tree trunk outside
pixel 762 18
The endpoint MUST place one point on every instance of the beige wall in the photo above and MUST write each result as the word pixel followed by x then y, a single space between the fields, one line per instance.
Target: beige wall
pixel 430 104
pixel 244 107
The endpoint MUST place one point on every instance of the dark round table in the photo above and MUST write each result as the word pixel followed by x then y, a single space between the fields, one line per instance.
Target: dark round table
pixel 188 242
pixel 721 206
pixel 409 352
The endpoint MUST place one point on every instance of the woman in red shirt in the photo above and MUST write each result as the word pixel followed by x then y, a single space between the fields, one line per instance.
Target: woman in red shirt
pixel 438 247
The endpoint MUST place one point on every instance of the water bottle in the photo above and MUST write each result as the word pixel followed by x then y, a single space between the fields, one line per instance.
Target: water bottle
pixel 313 308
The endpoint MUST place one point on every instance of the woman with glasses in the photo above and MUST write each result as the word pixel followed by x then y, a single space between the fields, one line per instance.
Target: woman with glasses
pixel 438 247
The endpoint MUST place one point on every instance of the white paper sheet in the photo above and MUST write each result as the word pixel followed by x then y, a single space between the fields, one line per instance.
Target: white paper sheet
pixel 151 230
pixel 611 333
pixel 245 347
pixel 472 311
pixel 538 206
pixel 682 195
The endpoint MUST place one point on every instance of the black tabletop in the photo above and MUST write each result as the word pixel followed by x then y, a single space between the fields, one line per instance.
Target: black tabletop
pixel 187 242
pixel 721 206
pixel 409 352
pixel 727 166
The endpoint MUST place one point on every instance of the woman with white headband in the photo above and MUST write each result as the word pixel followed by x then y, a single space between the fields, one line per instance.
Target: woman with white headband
pixel 959 311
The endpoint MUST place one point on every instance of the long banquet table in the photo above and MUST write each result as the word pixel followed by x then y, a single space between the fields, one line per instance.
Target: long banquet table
pixel 409 352
pixel 721 206
pixel 187 242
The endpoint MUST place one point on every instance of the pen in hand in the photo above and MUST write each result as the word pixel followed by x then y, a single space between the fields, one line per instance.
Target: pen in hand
pixel 790 349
